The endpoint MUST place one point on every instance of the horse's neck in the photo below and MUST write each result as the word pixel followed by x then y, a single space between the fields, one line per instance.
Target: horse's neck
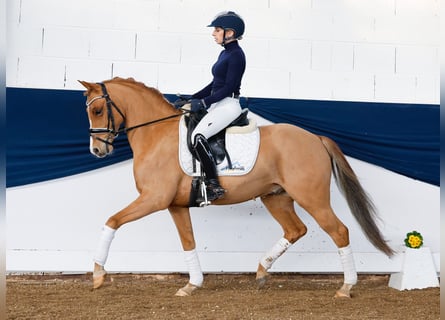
pixel 148 112
pixel 145 108
pixel 141 109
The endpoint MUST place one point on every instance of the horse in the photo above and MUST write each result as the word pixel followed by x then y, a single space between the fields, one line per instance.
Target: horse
pixel 292 165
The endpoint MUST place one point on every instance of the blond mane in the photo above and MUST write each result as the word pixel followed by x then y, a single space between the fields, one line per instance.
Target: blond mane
pixel 132 82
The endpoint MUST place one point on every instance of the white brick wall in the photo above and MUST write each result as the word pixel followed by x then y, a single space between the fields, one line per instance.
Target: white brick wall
pixel 143 71
pixel 289 54
pixel 417 60
pixel 342 57
pixel 366 50
pixel 353 86
pixel 374 58
pixel 63 43
pixel 158 47
pixel 140 15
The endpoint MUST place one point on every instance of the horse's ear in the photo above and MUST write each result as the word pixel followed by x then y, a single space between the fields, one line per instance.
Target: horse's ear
pixel 87 85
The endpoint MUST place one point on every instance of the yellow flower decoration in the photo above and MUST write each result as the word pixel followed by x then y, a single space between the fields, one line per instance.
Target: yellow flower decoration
pixel 414 240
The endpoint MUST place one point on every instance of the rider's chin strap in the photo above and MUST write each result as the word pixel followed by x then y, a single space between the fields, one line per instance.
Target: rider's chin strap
pixel 225 39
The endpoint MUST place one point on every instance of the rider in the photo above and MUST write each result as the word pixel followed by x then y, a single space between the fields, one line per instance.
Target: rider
pixel 221 96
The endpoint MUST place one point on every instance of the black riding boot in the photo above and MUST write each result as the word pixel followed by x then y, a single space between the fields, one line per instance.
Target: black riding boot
pixel 205 157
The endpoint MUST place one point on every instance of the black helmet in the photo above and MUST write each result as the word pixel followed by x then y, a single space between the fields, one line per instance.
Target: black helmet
pixel 229 20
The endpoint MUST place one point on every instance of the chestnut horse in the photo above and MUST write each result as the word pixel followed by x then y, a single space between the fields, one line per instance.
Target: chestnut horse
pixel 292 165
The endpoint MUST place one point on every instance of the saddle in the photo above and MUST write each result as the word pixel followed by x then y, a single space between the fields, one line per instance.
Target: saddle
pixel 218 141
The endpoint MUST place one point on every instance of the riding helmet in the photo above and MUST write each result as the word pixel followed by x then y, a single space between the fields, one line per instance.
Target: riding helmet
pixel 229 20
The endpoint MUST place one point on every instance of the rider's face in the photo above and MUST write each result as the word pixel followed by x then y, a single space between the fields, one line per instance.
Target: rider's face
pixel 218 35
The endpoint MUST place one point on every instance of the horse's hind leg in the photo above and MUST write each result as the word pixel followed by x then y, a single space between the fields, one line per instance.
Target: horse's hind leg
pixel 331 224
pixel 339 233
pixel 281 206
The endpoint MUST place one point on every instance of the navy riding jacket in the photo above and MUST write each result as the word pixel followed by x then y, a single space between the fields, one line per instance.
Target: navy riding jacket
pixel 227 73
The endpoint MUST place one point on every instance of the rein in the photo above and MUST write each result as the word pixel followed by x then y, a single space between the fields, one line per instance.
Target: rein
pixel 125 130
pixel 111 131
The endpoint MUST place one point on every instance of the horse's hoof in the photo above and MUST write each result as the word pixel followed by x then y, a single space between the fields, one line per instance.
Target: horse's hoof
pixel 186 290
pixel 344 291
pixel 99 278
pixel 261 276
pixel 261 281
pixel 340 294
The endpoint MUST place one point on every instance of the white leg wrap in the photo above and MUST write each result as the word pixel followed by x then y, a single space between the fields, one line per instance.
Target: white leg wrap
pixel 194 268
pixel 101 254
pixel 274 253
pixel 347 262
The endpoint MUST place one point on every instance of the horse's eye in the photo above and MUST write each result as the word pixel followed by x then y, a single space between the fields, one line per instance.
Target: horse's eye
pixel 98 111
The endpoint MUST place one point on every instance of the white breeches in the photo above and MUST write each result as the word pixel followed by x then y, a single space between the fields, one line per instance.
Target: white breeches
pixel 220 114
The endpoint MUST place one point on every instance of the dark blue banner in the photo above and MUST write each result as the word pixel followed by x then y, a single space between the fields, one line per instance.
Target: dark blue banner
pixel 47 133
pixel 404 138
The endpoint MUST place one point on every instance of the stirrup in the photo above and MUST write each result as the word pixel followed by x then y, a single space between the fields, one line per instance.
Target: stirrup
pixel 204 201
pixel 210 192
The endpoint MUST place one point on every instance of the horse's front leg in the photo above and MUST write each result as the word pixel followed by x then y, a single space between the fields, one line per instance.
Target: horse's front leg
pixel 181 217
pixel 137 209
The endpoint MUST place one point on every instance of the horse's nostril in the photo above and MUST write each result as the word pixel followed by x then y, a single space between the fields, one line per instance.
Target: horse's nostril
pixel 97 152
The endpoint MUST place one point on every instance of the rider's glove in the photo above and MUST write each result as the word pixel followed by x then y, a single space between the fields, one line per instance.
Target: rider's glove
pixel 179 103
pixel 197 105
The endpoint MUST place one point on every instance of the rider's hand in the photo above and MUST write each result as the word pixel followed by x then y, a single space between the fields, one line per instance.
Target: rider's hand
pixel 181 101
pixel 178 104
pixel 197 105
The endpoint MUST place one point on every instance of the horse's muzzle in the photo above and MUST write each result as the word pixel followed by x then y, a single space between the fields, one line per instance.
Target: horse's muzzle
pixel 98 152
pixel 101 147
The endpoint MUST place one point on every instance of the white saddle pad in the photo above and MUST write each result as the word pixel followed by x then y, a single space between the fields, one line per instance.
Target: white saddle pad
pixel 242 147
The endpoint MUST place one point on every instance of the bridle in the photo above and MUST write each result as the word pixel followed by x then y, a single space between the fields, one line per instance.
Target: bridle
pixel 110 129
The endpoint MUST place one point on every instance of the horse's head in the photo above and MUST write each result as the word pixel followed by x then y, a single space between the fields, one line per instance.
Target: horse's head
pixel 104 116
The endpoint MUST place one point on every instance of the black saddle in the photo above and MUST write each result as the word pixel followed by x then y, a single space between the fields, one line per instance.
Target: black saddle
pixel 218 141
